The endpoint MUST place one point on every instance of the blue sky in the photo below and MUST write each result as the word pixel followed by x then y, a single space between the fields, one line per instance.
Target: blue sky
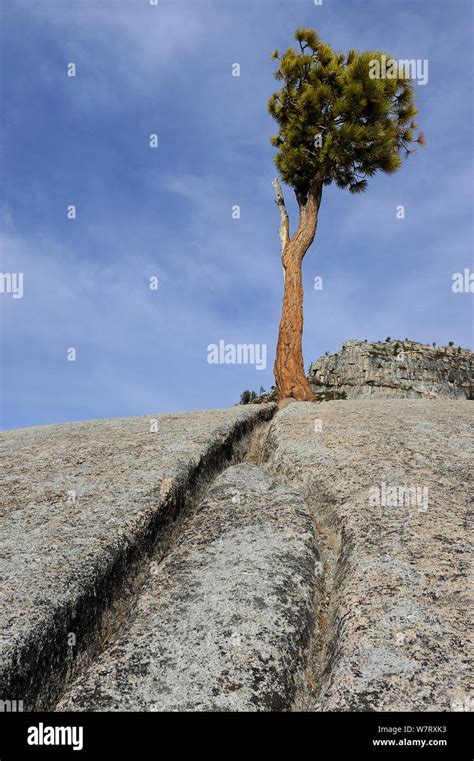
pixel 168 212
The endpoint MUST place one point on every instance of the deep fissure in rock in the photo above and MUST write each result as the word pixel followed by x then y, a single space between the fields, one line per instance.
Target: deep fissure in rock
pixel 47 665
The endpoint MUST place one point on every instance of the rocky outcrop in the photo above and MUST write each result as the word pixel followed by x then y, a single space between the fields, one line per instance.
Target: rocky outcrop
pixel 393 369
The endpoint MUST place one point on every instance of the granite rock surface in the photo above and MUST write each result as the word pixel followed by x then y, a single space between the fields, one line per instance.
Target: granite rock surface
pixel 223 622
pixel 317 557
pixel 393 369
pixel 83 508
pixel 390 487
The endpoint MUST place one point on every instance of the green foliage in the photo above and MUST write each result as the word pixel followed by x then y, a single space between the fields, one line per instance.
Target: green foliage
pixel 251 397
pixel 336 123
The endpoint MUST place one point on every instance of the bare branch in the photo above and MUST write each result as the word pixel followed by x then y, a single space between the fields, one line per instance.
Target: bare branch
pixel 284 219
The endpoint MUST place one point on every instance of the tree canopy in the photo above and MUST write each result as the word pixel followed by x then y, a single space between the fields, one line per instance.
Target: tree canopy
pixel 337 123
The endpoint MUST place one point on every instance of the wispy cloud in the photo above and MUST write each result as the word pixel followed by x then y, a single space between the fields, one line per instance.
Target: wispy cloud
pixel 168 213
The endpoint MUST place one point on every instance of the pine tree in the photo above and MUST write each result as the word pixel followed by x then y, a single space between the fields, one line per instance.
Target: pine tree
pixel 337 123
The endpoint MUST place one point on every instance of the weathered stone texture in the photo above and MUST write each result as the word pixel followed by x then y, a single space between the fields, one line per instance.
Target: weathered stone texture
pixel 223 622
pixel 393 369
pixel 394 631
pixel 333 576
pixel 82 506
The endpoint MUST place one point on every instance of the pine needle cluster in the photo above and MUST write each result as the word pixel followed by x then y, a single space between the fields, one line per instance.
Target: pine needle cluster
pixel 337 123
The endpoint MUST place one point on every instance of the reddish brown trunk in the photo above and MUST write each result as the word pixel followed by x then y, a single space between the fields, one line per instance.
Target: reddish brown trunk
pixel 289 372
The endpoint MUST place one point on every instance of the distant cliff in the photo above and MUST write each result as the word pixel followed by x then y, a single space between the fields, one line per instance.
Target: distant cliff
pixel 394 368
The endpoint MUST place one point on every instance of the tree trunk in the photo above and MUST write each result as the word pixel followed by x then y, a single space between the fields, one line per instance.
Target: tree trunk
pixel 289 372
